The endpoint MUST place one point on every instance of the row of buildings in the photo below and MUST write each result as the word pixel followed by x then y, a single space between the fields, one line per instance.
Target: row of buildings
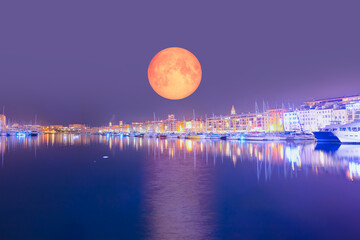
pixel 310 116
pixel 314 115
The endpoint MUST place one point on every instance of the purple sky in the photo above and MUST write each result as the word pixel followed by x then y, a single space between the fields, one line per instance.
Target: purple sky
pixel 86 61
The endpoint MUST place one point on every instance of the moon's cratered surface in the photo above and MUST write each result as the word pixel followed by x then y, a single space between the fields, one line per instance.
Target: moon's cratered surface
pixel 174 73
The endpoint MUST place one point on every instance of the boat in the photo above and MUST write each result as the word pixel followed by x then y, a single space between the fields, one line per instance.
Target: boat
pixel 139 135
pixel 33 133
pixel 182 136
pixel 107 134
pixel 254 137
pixel 213 136
pixel 21 134
pixel 234 136
pixel 327 134
pixel 150 135
pixel 162 136
pixel 202 136
pixel 274 137
pixel 224 137
pixel 195 136
pixel 11 132
pixel 349 133
pixel 300 136
pixel 172 135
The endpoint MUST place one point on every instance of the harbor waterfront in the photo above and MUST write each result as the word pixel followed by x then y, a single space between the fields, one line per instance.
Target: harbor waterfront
pixel 270 124
pixel 179 120
pixel 57 186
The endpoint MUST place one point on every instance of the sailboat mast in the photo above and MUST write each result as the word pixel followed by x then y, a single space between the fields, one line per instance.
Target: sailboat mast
pixel 184 123
pixel 264 112
pixel 194 120
pixel 206 128
pixel 2 124
pixel 283 118
pixel 154 122
pixel 213 122
pixel 268 117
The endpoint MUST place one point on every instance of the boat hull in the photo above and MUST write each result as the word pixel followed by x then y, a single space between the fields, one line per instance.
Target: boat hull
pixel 274 138
pixel 254 138
pixel 326 137
pixel 193 137
pixel 348 137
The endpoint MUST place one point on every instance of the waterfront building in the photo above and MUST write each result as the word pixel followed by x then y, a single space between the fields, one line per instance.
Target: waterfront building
pixel 32 127
pixel 311 116
pixel 291 121
pixel 56 128
pixel 316 114
pixel 180 126
pixel 125 128
pixel 353 106
pixel 230 123
pixel 332 102
pixel 342 116
pixel 251 122
pixel 314 119
pixel 196 125
pixel 170 124
pixel 110 129
pixel 274 120
pixel 77 127
pixel 96 130
pixel 139 127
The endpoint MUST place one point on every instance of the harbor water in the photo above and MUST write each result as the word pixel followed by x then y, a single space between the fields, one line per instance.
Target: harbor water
pixel 63 186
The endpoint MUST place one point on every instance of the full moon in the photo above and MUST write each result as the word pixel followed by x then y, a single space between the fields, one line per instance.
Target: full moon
pixel 174 73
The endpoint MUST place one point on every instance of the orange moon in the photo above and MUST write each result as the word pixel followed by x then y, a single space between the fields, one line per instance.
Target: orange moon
pixel 174 73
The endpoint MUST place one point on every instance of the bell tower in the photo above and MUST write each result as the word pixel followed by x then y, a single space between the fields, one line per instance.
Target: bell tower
pixel 233 112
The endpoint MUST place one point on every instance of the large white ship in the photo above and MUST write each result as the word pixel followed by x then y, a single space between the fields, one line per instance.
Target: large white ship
pixel 349 133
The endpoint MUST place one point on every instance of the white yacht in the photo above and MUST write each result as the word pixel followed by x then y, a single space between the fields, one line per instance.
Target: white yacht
pixel 172 135
pixel 349 133
pixel 271 137
pixel 274 137
pixel 255 137
pixel 195 136
pixel 212 136
pixel 234 136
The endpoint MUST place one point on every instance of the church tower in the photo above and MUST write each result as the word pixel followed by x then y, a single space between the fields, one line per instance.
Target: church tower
pixel 233 110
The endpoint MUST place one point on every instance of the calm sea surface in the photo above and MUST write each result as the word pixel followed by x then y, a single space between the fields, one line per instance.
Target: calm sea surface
pixel 96 187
